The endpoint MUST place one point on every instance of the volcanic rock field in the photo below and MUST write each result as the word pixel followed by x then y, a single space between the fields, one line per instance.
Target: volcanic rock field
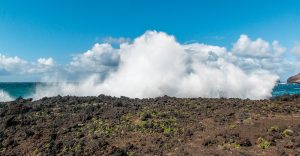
pixel 107 125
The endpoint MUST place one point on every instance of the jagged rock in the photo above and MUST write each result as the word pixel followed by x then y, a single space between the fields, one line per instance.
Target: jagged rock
pixel 294 79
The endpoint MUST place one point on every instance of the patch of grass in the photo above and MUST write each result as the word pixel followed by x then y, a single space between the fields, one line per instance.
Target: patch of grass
pixel 71 149
pixel 127 117
pixel 150 121
pixel 99 126
pixel 263 143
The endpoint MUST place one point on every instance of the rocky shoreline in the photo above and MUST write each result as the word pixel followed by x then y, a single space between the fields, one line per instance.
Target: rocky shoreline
pixel 107 125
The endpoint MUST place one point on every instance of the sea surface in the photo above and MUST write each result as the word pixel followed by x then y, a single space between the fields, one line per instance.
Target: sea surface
pixel 14 90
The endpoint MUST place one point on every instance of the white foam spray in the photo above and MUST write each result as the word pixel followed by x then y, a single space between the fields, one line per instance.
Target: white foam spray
pixel 155 64
pixel 4 96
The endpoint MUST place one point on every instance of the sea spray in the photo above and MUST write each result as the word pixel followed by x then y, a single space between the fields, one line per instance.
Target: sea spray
pixel 155 64
pixel 4 96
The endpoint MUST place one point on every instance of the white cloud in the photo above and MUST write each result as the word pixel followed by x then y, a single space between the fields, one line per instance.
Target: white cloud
pixel 12 64
pixel 18 66
pixel 278 50
pixel 260 54
pixel 296 49
pixel 102 58
pixel 258 48
pixel 112 40
pixel 9 61
pixel 46 61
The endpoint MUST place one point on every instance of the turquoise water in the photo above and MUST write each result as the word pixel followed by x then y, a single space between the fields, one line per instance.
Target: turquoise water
pixel 282 89
pixel 16 90
pixel 10 91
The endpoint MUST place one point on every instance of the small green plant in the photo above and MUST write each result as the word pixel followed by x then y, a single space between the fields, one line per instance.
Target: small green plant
pixel 248 120
pixel 230 145
pixel 231 126
pixel 77 147
pixel 36 153
pixel 287 132
pixel 129 153
pixel 274 128
pixel 263 143
pixel 236 145
pixel 167 130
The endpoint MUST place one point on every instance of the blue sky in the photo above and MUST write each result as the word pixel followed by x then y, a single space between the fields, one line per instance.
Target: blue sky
pixel 31 29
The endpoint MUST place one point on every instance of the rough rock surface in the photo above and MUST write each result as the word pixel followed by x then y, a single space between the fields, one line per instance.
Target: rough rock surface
pixel 106 125
pixel 294 79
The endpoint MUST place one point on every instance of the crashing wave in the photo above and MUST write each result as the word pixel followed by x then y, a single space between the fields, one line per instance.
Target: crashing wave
pixel 155 64
pixel 4 96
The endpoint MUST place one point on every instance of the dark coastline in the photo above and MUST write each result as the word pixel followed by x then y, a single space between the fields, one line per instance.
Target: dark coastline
pixel 107 125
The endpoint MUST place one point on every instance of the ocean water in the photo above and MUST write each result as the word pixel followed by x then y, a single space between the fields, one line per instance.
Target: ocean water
pixel 11 91
pixel 282 89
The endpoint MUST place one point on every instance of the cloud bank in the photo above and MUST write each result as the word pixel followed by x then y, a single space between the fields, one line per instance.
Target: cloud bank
pixel 18 66
pixel 155 64
pixel 258 49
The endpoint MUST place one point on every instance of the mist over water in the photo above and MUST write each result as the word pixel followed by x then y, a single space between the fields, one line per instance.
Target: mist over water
pixel 155 64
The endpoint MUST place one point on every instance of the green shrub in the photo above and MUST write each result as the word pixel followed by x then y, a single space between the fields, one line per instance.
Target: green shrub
pixel 263 143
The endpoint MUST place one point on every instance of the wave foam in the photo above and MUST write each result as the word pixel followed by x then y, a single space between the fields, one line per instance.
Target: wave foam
pixel 4 96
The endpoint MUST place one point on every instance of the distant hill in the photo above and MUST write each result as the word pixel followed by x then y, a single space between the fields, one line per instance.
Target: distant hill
pixel 294 79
